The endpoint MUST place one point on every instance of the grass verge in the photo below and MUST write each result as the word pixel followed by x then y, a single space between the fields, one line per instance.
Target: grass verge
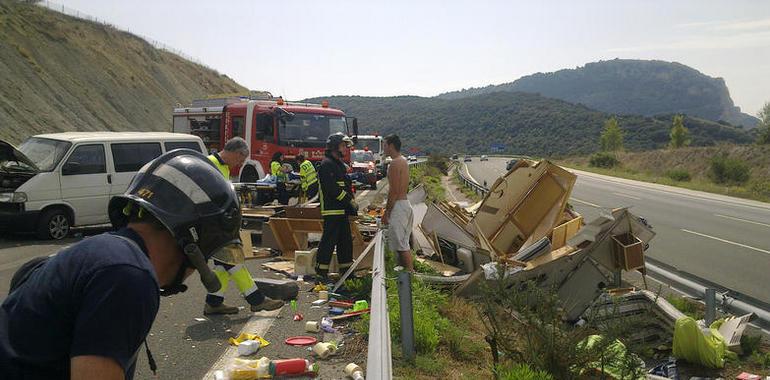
pixel 752 190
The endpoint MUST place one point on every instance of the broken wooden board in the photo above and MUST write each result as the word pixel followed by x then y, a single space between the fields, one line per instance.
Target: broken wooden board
pixel 443 269
pixel 260 253
pixel 285 267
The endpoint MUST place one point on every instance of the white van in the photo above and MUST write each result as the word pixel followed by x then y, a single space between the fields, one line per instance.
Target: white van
pixel 53 182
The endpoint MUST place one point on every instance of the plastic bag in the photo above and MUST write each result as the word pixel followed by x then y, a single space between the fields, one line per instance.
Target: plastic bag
pixel 707 348
pixel 243 369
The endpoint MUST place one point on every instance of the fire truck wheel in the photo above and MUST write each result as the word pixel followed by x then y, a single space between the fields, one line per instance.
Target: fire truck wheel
pixel 249 174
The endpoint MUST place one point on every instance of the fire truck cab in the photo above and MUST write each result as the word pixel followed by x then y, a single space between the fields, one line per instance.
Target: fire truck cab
pixel 268 125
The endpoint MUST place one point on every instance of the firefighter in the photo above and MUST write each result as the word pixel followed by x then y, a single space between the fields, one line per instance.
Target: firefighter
pixel 84 312
pixel 276 169
pixel 235 153
pixel 337 203
pixel 308 178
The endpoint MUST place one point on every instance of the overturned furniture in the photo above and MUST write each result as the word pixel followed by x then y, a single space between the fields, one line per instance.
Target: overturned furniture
pixel 523 230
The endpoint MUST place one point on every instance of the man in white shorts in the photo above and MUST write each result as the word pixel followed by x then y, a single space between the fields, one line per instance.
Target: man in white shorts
pixel 398 213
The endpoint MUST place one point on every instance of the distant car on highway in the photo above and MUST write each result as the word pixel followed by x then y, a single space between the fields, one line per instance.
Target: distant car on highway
pixel 412 158
pixel 484 158
pixel 467 159
pixel 454 156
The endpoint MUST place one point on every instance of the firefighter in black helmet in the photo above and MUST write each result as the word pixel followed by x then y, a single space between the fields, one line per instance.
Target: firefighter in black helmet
pixel 93 303
pixel 336 197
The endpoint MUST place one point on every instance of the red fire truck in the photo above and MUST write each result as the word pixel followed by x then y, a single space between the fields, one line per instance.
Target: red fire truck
pixel 268 124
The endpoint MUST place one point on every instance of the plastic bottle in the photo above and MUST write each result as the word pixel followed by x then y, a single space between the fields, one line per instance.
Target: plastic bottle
pixel 354 371
pixel 290 367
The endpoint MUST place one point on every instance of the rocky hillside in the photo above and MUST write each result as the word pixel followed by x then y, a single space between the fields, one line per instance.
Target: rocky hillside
pixel 624 86
pixel 59 73
pixel 524 123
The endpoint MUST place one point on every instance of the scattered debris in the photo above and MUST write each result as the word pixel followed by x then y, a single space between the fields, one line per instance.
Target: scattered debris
pixel 302 340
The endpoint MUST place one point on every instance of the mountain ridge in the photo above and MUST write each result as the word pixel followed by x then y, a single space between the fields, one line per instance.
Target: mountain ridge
pixel 630 86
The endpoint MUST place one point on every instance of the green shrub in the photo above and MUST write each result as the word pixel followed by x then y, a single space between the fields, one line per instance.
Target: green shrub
pixel 522 372
pixel 750 344
pixel 725 170
pixel 679 175
pixel 761 359
pixel 686 306
pixel 760 188
pixel 604 160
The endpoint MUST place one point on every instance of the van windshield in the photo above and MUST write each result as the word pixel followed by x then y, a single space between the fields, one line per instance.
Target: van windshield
pixel 44 153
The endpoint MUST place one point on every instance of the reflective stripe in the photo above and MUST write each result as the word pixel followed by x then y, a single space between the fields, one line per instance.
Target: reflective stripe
pixel 250 290
pixel 341 183
pixel 322 266
pixel 333 212
pixel 224 169
pixel 236 268
pixel 342 195
pixel 182 182
pixel 275 169
pixel 345 265
pixel 307 174
pixel 242 278
pixel 224 279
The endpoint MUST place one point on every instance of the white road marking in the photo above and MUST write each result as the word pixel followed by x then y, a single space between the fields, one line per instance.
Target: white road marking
pixel 585 203
pixel 727 241
pixel 742 220
pixel 258 324
pixel 628 196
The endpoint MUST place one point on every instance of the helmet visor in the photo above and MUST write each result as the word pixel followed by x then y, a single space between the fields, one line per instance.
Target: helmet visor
pixel 231 253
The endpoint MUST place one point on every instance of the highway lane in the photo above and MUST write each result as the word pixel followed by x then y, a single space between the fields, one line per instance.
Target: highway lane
pixel 721 239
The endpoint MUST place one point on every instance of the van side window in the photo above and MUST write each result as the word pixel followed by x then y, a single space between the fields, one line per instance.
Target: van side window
pixel 130 157
pixel 86 159
pixel 171 145
pixel 265 126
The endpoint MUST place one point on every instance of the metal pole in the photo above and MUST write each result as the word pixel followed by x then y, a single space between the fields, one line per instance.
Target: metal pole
pixel 618 278
pixel 711 305
pixel 407 316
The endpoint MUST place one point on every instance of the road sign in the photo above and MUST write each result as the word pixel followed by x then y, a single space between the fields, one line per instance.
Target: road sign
pixel 497 148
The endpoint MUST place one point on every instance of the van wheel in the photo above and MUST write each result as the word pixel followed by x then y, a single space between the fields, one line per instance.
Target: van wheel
pixel 249 174
pixel 54 224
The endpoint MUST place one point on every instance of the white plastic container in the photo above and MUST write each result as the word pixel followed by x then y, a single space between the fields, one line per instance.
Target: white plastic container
pixel 304 262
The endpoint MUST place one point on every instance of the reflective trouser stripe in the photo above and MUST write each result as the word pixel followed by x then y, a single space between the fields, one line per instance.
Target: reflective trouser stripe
pixel 333 212
pixel 224 280
pixel 242 279
pixel 322 266
pixel 342 195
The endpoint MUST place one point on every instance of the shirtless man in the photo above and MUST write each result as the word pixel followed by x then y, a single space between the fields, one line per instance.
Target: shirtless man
pixel 398 212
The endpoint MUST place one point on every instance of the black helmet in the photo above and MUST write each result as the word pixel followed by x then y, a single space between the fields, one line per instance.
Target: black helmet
pixel 334 140
pixel 185 192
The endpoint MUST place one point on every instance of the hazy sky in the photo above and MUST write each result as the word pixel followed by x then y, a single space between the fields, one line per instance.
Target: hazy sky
pixel 304 49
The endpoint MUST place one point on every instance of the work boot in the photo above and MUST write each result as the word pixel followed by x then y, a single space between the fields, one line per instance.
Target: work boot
pixel 267 304
pixel 219 309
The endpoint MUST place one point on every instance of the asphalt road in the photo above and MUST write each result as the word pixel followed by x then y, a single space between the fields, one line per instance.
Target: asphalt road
pixel 184 342
pixel 721 239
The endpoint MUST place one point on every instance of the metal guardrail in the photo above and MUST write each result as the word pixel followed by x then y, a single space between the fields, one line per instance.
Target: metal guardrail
pixel 379 363
pixel 469 182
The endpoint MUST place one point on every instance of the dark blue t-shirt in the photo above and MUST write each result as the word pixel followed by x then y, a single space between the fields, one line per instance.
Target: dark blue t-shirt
pixel 98 297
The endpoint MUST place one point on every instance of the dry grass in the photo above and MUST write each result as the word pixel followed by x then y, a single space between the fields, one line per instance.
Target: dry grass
pixel 651 166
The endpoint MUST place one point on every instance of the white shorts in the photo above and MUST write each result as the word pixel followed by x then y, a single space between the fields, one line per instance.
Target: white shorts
pixel 400 226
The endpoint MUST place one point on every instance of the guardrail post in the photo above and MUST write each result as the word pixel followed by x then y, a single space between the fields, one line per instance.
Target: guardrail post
pixel 407 316
pixel 711 305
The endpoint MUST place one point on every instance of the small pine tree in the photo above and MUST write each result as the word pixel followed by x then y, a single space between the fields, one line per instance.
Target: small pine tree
pixel 680 135
pixel 763 137
pixel 611 139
